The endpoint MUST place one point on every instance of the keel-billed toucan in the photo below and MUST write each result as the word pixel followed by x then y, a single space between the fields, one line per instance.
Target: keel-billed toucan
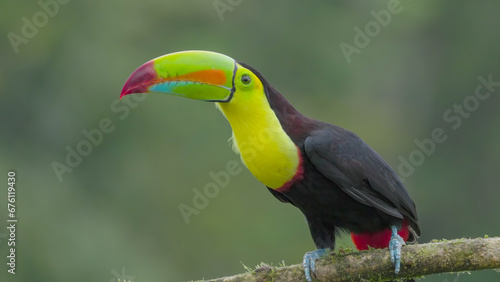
pixel 336 180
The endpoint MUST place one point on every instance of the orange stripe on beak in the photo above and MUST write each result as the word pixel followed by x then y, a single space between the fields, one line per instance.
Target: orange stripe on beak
pixel 213 77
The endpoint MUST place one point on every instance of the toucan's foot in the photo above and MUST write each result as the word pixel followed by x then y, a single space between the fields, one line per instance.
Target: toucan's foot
pixel 309 262
pixel 395 248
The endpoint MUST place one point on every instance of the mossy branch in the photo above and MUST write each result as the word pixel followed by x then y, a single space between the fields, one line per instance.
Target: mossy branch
pixel 374 265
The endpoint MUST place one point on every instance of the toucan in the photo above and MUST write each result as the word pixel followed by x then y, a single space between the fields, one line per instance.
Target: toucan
pixel 336 180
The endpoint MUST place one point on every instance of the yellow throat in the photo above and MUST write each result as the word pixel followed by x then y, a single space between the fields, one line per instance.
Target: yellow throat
pixel 264 147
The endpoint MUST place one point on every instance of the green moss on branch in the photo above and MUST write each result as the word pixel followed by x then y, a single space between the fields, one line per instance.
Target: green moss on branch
pixel 374 265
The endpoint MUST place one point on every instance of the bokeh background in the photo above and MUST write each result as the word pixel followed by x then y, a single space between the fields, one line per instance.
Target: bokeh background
pixel 116 214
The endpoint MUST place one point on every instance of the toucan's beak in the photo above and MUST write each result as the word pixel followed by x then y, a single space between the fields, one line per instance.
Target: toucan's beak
pixel 199 75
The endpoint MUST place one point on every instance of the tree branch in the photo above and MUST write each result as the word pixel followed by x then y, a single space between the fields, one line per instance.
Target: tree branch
pixel 374 265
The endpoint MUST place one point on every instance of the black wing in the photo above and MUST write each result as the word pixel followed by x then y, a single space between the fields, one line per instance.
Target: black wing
pixel 345 159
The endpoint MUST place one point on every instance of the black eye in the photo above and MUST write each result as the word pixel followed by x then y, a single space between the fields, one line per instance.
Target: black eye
pixel 246 79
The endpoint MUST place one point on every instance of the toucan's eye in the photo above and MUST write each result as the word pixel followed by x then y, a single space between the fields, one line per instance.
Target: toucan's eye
pixel 246 79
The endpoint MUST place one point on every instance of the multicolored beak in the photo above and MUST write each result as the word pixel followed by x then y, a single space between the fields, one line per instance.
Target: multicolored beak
pixel 199 75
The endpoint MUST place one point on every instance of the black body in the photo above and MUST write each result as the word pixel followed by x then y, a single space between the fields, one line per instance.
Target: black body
pixel 346 185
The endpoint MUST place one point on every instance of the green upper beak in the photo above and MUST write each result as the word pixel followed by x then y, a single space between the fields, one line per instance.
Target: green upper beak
pixel 199 75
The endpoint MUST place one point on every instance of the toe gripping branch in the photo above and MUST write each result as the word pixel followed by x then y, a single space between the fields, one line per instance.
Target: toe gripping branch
pixel 395 245
pixel 395 248
pixel 309 262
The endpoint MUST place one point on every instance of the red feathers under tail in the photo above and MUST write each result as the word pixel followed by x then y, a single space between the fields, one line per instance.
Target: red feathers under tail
pixel 378 240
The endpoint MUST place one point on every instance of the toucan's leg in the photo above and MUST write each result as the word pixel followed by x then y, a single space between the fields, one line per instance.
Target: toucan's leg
pixel 309 262
pixel 395 248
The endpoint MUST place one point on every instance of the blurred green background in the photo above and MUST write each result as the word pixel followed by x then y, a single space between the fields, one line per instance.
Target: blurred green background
pixel 116 214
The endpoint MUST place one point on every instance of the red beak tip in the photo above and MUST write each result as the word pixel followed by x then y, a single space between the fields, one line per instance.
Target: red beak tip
pixel 125 91
pixel 139 79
